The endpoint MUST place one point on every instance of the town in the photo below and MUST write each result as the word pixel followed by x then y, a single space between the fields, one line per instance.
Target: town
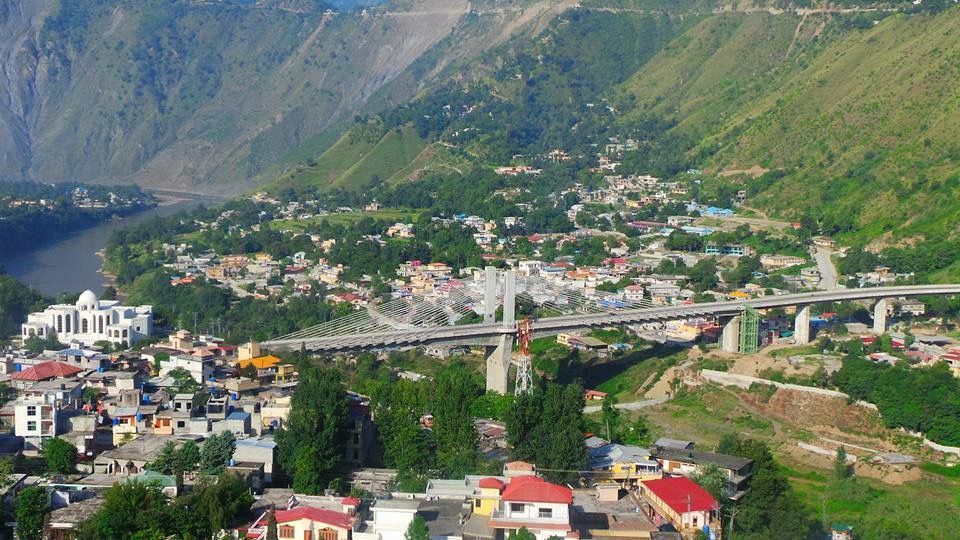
pixel 129 396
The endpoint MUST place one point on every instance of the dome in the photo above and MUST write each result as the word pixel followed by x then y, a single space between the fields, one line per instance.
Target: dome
pixel 87 300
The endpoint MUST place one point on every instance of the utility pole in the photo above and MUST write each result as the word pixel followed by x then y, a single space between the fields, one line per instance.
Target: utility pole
pixel 733 514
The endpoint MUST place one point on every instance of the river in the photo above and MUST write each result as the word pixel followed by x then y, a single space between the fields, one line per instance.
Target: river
pixel 71 264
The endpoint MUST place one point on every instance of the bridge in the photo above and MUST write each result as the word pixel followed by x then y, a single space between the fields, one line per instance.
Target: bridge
pixel 433 319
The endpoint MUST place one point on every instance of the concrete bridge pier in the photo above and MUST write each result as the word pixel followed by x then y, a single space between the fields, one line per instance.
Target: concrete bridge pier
pixel 498 364
pixel 730 339
pixel 801 326
pixel 880 316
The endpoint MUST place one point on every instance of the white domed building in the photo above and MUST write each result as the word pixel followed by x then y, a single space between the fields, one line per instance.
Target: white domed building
pixel 91 320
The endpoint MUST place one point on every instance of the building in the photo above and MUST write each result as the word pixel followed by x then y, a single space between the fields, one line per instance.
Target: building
pixel 35 421
pixel 622 464
pixel 306 523
pixel 776 262
pixel 91 320
pixel 533 503
pixel 686 462
pixel 680 502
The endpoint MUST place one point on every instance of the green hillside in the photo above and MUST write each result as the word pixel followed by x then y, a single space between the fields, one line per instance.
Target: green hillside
pixel 840 119
pixel 360 158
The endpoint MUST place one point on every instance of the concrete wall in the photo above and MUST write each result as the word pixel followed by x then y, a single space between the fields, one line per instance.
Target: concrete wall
pixel 744 381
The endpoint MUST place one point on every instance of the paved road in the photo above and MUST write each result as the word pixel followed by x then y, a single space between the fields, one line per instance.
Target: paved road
pixel 828 272
pixel 629 406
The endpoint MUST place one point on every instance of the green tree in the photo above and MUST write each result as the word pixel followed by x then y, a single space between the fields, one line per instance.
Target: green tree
pixel 610 416
pixel 188 457
pixel 209 507
pixel 109 293
pixel 60 455
pixel 128 507
pixel 521 534
pixel 272 524
pixel 417 530
pixel 32 505
pixel 216 452
pixel 841 469
pixel 454 390
pixel 408 447
pixel 310 445
pixel 713 480
pixel 158 360
pixel 166 460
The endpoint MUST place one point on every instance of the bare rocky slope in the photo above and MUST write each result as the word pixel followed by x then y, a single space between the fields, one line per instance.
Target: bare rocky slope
pixel 217 96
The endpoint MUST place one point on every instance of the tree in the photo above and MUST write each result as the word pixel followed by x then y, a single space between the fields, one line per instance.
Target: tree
pixel 521 534
pixel 841 469
pixel 60 455
pixel 217 452
pixel 109 293
pixel 166 460
pixel 250 372
pixel 417 530
pixel 188 458
pixel 640 433
pixel 310 445
pixel 713 480
pixel 209 507
pixel 128 507
pixel 32 505
pixel 453 393
pixel 610 416
pixel 272 524
pixel 549 430
pixel 158 361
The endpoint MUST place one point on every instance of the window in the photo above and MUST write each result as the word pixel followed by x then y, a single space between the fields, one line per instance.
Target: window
pixel 31 410
pixel 545 513
pixel 286 531
pixel 695 522
pixel 85 324
pixel 477 503
pixel 181 424
pixel 516 507
pixel 32 425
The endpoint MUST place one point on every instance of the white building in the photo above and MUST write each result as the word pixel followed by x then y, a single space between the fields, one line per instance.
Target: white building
pixel 200 368
pixel 91 320
pixel 34 420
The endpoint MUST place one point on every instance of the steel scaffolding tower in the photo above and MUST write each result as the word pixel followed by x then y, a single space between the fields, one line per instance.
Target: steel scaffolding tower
pixel 524 367
pixel 749 330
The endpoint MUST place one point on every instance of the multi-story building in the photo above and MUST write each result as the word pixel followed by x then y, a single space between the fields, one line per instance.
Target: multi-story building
pixel 35 421
pixel 533 503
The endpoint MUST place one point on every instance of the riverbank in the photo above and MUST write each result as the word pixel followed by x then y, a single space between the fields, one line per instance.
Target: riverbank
pixel 71 262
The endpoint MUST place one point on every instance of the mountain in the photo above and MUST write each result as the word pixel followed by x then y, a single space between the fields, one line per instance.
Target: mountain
pixel 216 96
pixel 839 115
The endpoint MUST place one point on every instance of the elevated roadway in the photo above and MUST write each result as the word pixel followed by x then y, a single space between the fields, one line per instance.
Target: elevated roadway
pixel 489 334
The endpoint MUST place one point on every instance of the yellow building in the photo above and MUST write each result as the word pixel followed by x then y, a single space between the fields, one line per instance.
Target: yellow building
pixel 485 503
pixel 260 362
pixel 626 465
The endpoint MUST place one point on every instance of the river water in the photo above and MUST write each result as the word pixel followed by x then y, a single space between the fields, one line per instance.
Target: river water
pixel 71 264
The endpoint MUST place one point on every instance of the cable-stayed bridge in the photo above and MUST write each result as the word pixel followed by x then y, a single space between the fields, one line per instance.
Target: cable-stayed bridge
pixel 439 317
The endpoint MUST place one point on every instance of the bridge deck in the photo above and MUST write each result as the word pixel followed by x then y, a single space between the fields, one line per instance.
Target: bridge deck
pixel 487 334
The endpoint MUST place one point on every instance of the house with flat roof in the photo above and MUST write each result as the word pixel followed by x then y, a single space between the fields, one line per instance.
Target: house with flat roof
pixel 686 462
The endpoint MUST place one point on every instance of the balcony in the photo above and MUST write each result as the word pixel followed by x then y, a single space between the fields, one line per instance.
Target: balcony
pixel 531 520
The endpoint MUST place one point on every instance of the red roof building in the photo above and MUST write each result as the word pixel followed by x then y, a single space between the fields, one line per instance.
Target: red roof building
pixel 306 522
pixel 45 371
pixel 534 489
pixel 680 501
pixel 491 483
